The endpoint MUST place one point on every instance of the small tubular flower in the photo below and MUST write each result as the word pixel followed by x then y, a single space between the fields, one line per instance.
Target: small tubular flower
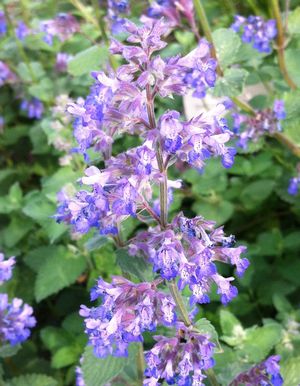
pixel 126 311
pixel 179 360
pixel 6 268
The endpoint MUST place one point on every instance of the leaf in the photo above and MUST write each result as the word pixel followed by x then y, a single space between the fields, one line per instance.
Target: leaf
pixel 290 371
pixel 229 322
pixel 88 60
pixel 8 350
pixel 51 185
pixel 232 83
pixel 95 242
pixel 281 303
pixel 32 380
pixel 256 192
pixel 38 207
pixel 292 241
pixel 54 338
pixel 37 257
pixel 42 90
pixel 16 230
pixel 58 272
pixel 294 21
pixel 28 72
pixel 259 341
pixel 65 356
pixel 220 212
pixel 227 43
pixel 292 57
pixel 99 371
pixel 206 327
pixel 134 265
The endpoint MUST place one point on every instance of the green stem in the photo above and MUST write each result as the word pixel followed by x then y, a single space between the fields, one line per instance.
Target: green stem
pixel 252 4
pixel 244 106
pixel 281 43
pixel 212 377
pixel 284 140
pixel 200 11
pixel 140 361
pixel 179 303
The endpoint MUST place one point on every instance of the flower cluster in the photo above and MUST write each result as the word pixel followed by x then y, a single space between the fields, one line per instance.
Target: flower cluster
pixel 117 10
pixel 189 250
pixel 22 30
pixel 179 360
pixel 6 268
pixel 256 31
pixel 266 373
pixel 33 107
pixel 3 24
pixel 126 311
pixel 294 185
pixel 173 11
pixel 264 122
pixel 6 75
pixel 63 26
pixel 62 59
pixel 15 317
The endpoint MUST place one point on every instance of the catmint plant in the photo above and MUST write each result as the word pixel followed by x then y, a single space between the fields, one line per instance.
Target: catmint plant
pixel 183 252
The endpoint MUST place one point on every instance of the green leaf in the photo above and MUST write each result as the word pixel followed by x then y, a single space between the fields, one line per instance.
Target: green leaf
pixel 39 208
pixel 42 90
pixel 260 341
pixel 95 242
pixel 229 323
pixel 220 211
pixel 55 338
pixel 227 43
pixel 206 327
pixel 281 303
pixel 16 230
pixel 292 57
pixel 8 350
pixel 65 356
pixel 51 185
pixel 232 83
pixel 292 241
pixel 32 380
pixel 13 201
pixel 28 72
pixel 256 192
pixel 290 371
pixel 98 371
pixel 294 21
pixel 134 265
pixel 88 60
pixel 58 272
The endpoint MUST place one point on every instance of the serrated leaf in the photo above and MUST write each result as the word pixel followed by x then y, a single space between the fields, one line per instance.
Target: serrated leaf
pixel 32 380
pixel 292 57
pixel 7 350
pixel 99 371
pixel 134 265
pixel 229 323
pixel 65 356
pixel 256 192
pixel 206 327
pixel 16 230
pixel 259 341
pixel 232 83
pixel 294 21
pixel 220 211
pixel 58 272
pixel 88 60
pixel 290 371
pixel 227 44
pixel 95 242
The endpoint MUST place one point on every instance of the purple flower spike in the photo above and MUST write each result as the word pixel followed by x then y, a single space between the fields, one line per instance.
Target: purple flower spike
pixel 15 320
pixel 127 310
pixel 6 268
pixel 265 373
pixel 180 360
pixel 22 30
pixel 3 24
pixel 6 75
pixel 189 251
pixel 33 107
pixel 256 31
